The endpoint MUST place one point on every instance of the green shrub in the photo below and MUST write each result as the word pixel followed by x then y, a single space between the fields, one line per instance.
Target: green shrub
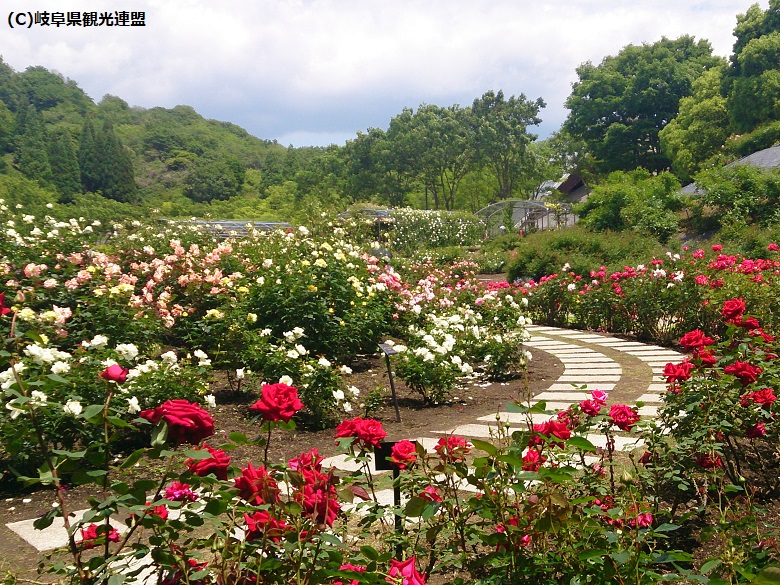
pixel 547 252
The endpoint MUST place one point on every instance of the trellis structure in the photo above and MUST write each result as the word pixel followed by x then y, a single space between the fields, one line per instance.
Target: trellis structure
pixel 519 214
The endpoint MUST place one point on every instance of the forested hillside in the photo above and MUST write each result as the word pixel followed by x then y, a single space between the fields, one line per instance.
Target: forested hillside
pixel 668 106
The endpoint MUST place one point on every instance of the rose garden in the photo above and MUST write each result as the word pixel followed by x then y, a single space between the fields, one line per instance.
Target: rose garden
pixel 115 336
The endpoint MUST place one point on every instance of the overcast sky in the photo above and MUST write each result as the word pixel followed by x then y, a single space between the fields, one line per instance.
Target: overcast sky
pixel 314 72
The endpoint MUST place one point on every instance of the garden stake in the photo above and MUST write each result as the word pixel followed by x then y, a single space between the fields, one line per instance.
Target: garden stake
pixel 388 351
pixel 382 463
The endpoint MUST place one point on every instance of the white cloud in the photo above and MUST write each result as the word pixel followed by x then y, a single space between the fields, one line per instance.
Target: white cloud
pixel 320 70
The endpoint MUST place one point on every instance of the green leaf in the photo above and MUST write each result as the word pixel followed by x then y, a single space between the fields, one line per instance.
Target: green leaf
pixel 132 459
pixel 488 448
pixel 581 443
pixel 116 579
pixel 118 422
pixel 710 565
pixel 92 411
pixel 591 554
pixel 415 506
pixel 369 552
pixel 621 557
pixel 160 434
pixel 768 575
pixel 56 378
pixel 331 539
pixel 239 438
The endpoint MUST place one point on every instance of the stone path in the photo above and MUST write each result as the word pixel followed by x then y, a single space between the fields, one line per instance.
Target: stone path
pixel 629 371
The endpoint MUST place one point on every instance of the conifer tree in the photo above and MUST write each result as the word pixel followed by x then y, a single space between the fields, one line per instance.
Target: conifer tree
pixel 117 180
pixel 89 157
pixel 32 157
pixel 65 173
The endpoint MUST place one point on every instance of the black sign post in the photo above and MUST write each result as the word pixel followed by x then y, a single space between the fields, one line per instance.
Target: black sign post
pixel 388 351
pixel 383 463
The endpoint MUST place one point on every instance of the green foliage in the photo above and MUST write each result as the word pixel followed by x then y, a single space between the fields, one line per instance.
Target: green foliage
pixel 65 173
pixel 738 194
pixel 619 106
pixel 700 128
pixel 209 180
pixel 502 137
pixel 32 146
pixel 583 250
pixel 646 204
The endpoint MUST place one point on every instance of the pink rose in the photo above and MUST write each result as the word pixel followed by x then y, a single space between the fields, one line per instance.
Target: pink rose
pixel 115 373
pixel 405 573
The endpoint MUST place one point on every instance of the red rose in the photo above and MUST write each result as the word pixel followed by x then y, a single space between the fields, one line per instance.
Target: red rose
pixel 93 534
pixel 677 372
pixel 317 495
pixel 452 448
pixel 553 428
pixel 403 454
pixel 367 432
pixel 431 494
pixel 187 422
pixel 717 247
pixel 405 571
pixel 311 460
pixel 115 373
pixel 278 402
pixel 533 459
pixel 706 356
pixel 623 416
pixel 733 309
pixel 709 461
pixel 695 339
pixel 746 372
pixel 3 309
pixel 765 397
pixel 217 464
pixel 256 486
pixel 263 523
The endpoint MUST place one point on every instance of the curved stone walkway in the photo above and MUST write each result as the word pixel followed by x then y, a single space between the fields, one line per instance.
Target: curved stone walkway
pixel 630 370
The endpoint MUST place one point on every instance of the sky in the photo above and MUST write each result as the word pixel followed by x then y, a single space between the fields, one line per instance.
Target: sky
pixel 315 72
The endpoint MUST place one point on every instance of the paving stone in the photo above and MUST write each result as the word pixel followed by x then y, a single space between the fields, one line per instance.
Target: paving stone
pixel 649 410
pixel 55 536
pixel 578 351
pixel 347 463
pixel 563 396
pixel 653 398
pixel 621 443
pixel 658 387
pixel 584 359
pixel 478 431
pixel 557 388
pixel 587 378
pixel 590 369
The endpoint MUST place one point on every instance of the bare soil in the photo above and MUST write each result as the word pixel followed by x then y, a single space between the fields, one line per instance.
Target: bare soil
pixel 232 415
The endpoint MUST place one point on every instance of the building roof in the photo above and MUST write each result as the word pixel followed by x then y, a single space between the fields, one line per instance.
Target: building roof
pixel 769 158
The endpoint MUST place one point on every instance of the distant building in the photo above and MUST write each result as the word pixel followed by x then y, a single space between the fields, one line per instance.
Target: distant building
pixel 769 158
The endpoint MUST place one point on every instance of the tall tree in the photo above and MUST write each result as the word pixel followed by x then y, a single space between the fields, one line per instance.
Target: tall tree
pixel 32 146
pixel 700 128
pixel 619 106
pixel 752 85
pixel 65 173
pixel 436 145
pixel 502 137
pixel 116 165
pixel 89 157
